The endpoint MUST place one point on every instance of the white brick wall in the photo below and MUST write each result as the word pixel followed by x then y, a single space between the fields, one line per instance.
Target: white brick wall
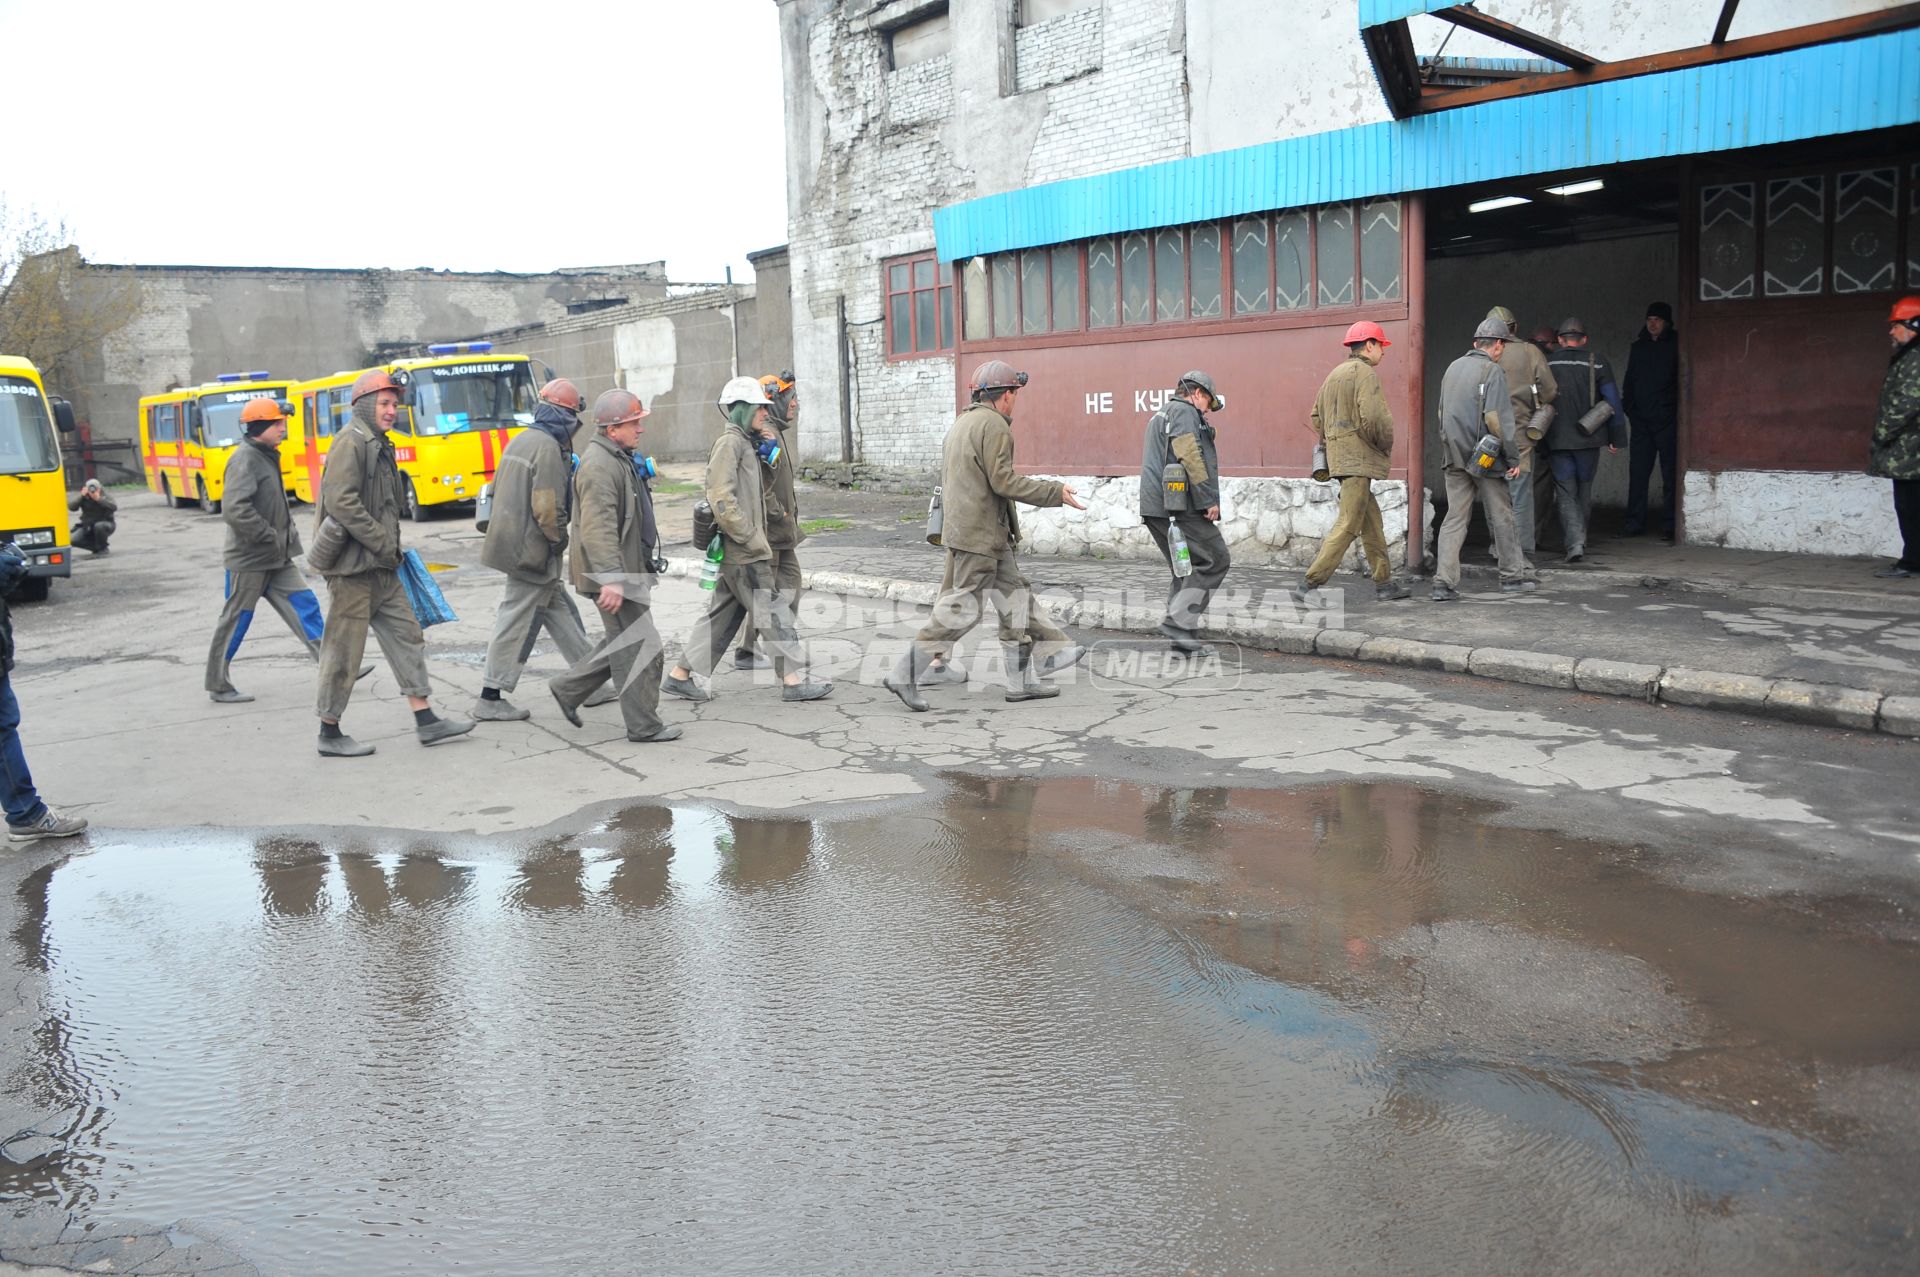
pixel 1058 50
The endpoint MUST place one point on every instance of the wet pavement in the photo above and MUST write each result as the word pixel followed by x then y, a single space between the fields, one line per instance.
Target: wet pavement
pixel 1017 1025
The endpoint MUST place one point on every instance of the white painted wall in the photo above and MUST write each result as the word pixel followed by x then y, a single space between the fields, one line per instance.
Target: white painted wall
pixel 1792 512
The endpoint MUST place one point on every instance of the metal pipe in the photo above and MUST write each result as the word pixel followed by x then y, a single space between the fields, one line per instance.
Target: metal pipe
pixel 843 337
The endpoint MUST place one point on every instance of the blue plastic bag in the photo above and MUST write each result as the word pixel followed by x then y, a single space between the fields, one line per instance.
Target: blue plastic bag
pixel 423 592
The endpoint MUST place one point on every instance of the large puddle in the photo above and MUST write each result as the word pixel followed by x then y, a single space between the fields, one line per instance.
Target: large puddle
pixel 1063 1026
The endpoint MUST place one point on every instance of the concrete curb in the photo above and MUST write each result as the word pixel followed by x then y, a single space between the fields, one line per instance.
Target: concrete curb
pixel 1820 704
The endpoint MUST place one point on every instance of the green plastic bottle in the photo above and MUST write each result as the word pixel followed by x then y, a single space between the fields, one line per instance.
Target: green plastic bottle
pixel 710 574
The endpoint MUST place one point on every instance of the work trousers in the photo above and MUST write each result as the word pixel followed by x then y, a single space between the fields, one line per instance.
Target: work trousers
pixel 786 579
pixel 632 656
pixel 1462 490
pixel 1652 445
pixel 286 590
pixel 524 609
pixel 17 794
pixel 1906 509
pixel 357 603
pixel 1522 491
pixel 1188 596
pixel 970 582
pixel 93 536
pixel 1573 473
pixel 1359 517
pixel 745 595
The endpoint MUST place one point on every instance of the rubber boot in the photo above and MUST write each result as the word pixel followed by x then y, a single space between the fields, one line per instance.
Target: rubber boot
pixel 1023 681
pixel 905 679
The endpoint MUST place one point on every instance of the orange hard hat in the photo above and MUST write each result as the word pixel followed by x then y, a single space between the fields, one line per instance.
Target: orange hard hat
pixel 617 407
pixel 372 381
pixel 1365 331
pixel 262 409
pixel 562 393
pixel 1906 311
pixel 776 384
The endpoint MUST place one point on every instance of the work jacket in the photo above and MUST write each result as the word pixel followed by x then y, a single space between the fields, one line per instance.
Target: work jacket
pixel 1652 388
pixel 1896 426
pixel 1352 418
pixel 736 489
pixel 360 489
pixel 100 509
pixel 1529 384
pixel 527 531
pixel 1178 432
pixel 1472 387
pixel 979 486
pixel 260 532
pixel 614 534
pixel 1574 371
pixel 783 504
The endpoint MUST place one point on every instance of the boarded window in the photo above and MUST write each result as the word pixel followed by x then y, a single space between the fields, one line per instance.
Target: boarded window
pixel 1066 288
pixel 1727 241
pixel 973 285
pixel 1334 255
pixel 1136 278
pixel 1035 291
pixel 1866 226
pixel 1292 266
pixel 1170 275
pixel 1006 295
pixel 1033 12
pixel 1380 251
pixel 1203 271
pixel 1103 280
pixel 1252 267
pixel 928 38
pixel 1796 240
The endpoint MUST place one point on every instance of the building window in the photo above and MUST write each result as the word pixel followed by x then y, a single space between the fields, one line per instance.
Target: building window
pixel 1292 261
pixel 1066 287
pixel 1334 256
pixel 1136 280
pixel 1204 273
pixel 1380 251
pixel 1170 275
pixel 973 283
pixel 1796 249
pixel 1031 13
pixel 1252 267
pixel 926 37
pixel 1727 240
pixel 1006 296
pixel 1036 290
pixel 1103 283
pixel 1866 226
pixel 919 306
pixel 1833 232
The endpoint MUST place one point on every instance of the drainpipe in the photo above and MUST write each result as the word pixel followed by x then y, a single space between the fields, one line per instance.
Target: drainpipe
pixel 846 378
pixel 733 321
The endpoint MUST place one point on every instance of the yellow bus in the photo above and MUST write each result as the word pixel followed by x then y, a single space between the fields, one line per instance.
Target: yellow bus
pixel 463 405
pixel 33 486
pixel 187 436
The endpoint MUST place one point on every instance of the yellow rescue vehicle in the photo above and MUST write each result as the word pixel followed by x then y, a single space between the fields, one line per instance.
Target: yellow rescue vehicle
pixel 187 436
pixel 33 486
pixel 463 405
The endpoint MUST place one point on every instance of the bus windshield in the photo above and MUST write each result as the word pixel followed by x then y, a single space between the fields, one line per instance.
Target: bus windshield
pixel 26 434
pixel 476 396
pixel 220 414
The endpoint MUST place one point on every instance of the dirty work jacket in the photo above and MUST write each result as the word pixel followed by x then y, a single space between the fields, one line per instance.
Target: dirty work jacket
pixel 1179 432
pixel 979 486
pixel 260 532
pixel 360 489
pixel 1896 426
pixel 1529 384
pixel 1352 418
pixel 613 528
pixel 783 504
pixel 100 509
pixel 736 489
pixel 1474 383
pixel 1571 373
pixel 528 532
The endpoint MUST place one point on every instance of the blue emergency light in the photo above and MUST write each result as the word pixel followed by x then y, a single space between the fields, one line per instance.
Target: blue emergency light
pixel 259 375
pixel 460 348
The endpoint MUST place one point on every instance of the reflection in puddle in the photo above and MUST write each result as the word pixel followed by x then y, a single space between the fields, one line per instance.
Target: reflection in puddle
pixel 1054 1026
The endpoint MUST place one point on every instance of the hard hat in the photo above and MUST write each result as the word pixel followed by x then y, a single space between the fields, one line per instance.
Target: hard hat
pixel 1906 311
pixel 1365 331
pixel 263 408
pixel 743 390
pixel 996 374
pixel 1505 316
pixel 370 381
pixel 1215 402
pixel 777 383
pixel 562 393
pixel 1571 327
pixel 617 407
pixel 1491 329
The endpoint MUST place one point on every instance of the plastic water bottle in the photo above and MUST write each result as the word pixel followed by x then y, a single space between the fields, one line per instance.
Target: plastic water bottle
pixel 710 572
pixel 1177 549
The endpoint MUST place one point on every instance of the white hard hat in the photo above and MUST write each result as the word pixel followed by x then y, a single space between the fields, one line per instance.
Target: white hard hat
pixel 743 390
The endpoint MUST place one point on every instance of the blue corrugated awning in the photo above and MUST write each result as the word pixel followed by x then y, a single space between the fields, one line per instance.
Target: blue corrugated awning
pixel 1375 12
pixel 1848 87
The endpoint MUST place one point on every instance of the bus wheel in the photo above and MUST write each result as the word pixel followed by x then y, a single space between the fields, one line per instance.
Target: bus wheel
pixel 33 589
pixel 177 501
pixel 415 511
pixel 207 504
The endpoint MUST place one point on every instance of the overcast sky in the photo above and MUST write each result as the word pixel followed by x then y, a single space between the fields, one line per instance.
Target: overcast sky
pixel 472 136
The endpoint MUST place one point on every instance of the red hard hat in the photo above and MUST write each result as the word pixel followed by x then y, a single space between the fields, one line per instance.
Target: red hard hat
pixel 264 408
pixel 371 381
pixel 1906 310
pixel 997 374
pixel 1364 331
pixel 562 393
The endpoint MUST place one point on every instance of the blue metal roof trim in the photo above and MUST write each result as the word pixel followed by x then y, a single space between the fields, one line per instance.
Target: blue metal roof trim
pixel 1781 97
pixel 1375 13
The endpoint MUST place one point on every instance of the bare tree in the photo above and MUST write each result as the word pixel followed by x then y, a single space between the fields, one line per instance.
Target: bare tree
pixel 54 307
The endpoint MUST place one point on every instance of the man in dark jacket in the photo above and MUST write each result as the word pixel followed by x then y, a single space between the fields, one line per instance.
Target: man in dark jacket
pixel 261 545
pixel 1896 433
pixel 1585 378
pixel 357 549
pixel 526 539
pixel 1180 432
pixel 28 818
pixel 615 541
pixel 1652 398
pixel 98 511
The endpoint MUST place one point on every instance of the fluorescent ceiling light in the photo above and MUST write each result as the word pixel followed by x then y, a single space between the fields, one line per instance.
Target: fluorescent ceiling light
pixel 1577 188
pixel 1503 201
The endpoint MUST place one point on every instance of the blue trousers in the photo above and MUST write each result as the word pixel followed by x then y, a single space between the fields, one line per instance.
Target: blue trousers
pixel 17 793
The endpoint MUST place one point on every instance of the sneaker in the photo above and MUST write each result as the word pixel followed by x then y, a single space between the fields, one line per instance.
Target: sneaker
pixel 442 730
pixel 666 733
pixel 343 747
pixel 1444 593
pixel 685 688
pixel 231 696
pixel 751 660
pixel 1390 590
pixel 805 690
pixel 1893 572
pixel 50 825
pixel 1518 587
pixel 500 710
